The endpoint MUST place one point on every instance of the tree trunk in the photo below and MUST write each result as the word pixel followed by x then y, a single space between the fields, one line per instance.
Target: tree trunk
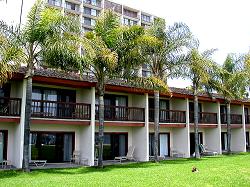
pixel 101 125
pixel 196 123
pixel 156 125
pixel 26 143
pixel 228 127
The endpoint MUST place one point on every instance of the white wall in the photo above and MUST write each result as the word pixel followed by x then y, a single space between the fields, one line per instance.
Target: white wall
pixel 12 146
pixel 212 139
pixel 238 140
pixel 180 141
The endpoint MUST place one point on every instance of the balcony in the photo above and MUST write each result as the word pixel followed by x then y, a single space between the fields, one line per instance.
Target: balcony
pixel 168 116
pixel 247 119
pixel 93 3
pixel 57 3
pixel 60 110
pixel 121 113
pixel 74 9
pixel 235 118
pixel 10 106
pixel 204 117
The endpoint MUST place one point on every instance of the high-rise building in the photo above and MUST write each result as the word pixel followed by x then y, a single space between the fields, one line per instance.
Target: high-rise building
pixel 89 10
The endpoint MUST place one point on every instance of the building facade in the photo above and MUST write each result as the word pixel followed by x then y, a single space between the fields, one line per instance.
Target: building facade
pixel 89 10
pixel 65 118
pixel 65 110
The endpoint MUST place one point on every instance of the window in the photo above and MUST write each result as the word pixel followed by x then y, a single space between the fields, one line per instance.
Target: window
pixel 129 22
pixel 145 18
pixel 87 21
pixel 93 12
pixel 71 6
pixel 87 10
pixel 125 21
pixel 92 22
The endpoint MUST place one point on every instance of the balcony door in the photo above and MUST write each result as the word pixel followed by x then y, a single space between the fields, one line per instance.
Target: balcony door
pixel 191 112
pixel 246 111
pixel 4 103
pixel 52 102
pixel 164 115
pixel 115 107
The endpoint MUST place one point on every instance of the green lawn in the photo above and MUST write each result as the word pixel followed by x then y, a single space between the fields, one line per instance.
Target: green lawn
pixel 231 170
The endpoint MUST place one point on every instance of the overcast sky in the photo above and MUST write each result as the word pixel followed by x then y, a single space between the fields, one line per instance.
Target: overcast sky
pixel 220 24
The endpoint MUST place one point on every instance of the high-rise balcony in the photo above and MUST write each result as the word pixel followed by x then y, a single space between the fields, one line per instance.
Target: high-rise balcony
pixel 57 3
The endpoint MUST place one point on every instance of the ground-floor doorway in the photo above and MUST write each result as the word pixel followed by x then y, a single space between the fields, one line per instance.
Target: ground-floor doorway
pixel 192 142
pixel 164 144
pixel 247 141
pixel 3 145
pixel 54 147
pixel 114 145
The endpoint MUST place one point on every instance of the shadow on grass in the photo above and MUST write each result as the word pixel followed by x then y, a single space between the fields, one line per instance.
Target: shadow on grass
pixel 87 170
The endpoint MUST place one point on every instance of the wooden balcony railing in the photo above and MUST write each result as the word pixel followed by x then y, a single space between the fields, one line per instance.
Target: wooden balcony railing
pixel 168 116
pixel 235 118
pixel 10 106
pixel 60 110
pixel 247 119
pixel 121 113
pixel 204 117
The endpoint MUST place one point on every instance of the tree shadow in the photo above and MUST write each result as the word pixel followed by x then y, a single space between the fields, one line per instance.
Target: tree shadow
pixel 87 170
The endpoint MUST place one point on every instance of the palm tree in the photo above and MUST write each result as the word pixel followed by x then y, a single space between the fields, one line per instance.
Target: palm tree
pixel 110 51
pixel 8 54
pixel 163 54
pixel 198 69
pixel 45 38
pixel 231 80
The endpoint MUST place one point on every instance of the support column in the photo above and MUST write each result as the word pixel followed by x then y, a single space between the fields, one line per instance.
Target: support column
pixel 140 137
pixel 87 144
pixel 19 134
pixel 188 128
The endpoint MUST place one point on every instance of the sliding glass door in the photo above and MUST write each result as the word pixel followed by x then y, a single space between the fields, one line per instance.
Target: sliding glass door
pixel 164 144
pixel 3 144
pixel 115 144
pixel 53 147
pixel 247 140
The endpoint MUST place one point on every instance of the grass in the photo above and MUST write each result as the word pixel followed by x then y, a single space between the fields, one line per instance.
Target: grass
pixel 232 170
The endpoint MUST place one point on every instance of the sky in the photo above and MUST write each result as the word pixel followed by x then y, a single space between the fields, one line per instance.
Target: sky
pixel 219 24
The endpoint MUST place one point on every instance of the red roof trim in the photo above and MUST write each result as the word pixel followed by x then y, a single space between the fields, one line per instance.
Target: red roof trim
pixel 62 82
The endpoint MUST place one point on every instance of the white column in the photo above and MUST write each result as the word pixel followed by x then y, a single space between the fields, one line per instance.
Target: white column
pixel 140 136
pixel 238 140
pixel 19 134
pixel 188 128
pixel 87 133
